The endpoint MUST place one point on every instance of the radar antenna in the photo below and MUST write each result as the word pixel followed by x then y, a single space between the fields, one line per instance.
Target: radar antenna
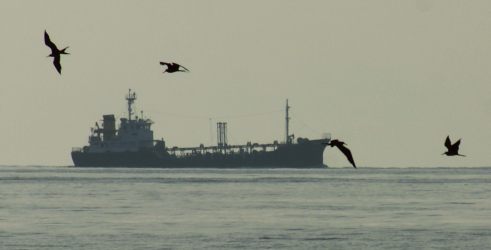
pixel 130 98
pixel 287 120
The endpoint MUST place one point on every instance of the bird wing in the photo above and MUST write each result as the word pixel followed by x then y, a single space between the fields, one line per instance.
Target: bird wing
pixel 164 63
pixel 456 145
pixel 48 42
pixel 448 144
pixel 348 154
pixel 56 62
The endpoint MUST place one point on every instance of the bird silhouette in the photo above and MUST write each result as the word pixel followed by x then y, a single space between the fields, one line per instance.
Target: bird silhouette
pixel 173 67
pixel 452 149
pixel 55 52
pixel 345 150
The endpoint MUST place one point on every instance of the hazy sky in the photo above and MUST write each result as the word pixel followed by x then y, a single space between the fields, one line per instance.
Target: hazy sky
pixel 391 78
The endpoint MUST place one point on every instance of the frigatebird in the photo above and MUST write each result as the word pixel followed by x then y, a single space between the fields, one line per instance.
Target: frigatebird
pixel 173 67
pixel 55 52
pixel 452 149
pixel 340 145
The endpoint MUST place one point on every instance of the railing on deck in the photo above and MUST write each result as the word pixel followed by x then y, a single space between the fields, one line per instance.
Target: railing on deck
pixel 76 149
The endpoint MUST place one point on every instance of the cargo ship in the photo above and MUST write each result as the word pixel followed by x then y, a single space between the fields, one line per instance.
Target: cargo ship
pixel 132 144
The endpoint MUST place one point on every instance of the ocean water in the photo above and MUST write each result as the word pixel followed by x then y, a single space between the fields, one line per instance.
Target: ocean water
pixel 103 208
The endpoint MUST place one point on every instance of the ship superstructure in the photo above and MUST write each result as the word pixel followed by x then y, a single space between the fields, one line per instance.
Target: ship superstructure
pixel 134 133
pixel 132 145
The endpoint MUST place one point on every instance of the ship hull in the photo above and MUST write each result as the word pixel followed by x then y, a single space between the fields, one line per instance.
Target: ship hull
pixel 302 155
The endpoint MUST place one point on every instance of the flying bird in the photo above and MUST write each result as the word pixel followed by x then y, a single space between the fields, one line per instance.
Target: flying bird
pixel 345 150
pixel 173 67
pixel 55 52
pixel 452 149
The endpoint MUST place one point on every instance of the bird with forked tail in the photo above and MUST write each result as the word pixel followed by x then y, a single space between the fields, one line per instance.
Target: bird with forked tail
pixel 174 67
pixel 55 52
pixel 452 149
pixel 340 145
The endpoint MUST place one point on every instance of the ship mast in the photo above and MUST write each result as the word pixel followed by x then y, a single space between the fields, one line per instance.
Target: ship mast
pixel 130 98
pixel 287 119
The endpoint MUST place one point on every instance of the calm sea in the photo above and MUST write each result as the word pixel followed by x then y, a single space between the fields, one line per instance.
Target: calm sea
pixel 69 208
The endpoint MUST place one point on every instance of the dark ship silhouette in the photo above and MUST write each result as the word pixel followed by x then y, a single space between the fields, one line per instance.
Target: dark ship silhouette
pixel 133 145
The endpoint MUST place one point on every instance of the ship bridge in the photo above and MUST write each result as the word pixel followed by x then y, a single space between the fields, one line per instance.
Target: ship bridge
pixel 133 134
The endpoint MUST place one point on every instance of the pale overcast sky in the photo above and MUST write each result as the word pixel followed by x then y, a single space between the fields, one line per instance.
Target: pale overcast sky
pixel 390 78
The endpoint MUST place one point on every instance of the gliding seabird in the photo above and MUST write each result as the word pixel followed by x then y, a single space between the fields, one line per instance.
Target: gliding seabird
pixel 55 52
pixel 173 67
pixel 345 150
